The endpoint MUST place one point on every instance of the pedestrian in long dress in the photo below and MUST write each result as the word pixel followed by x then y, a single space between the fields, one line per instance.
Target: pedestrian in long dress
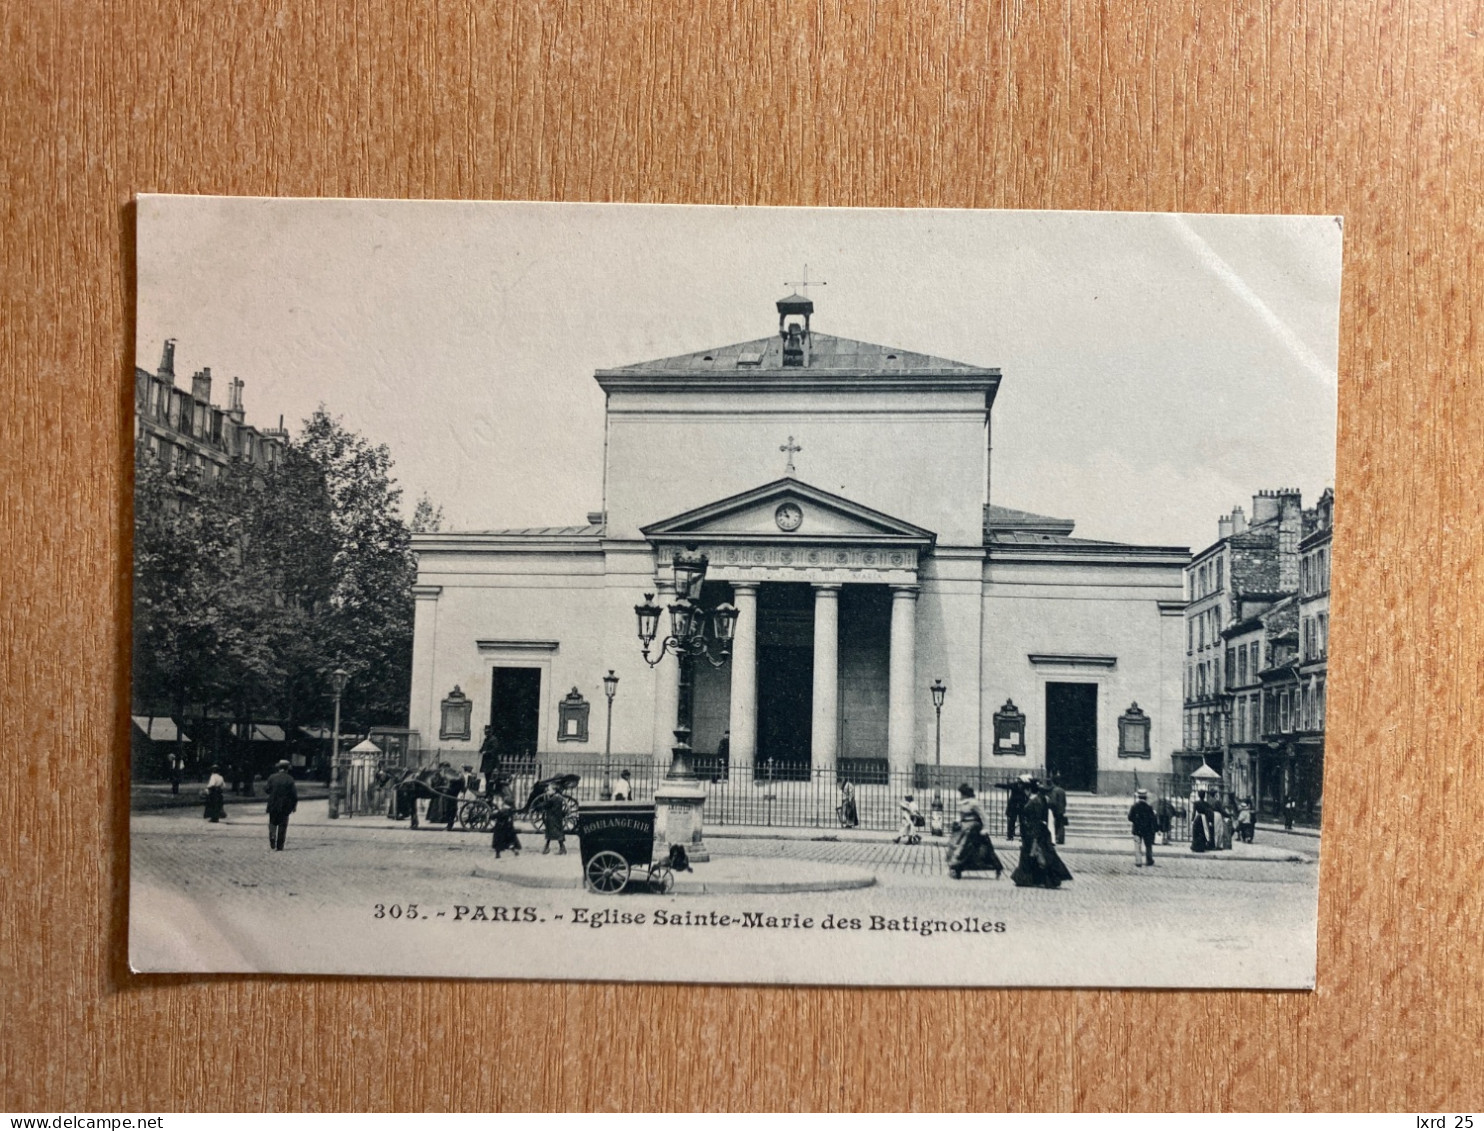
pixel 216 785
pixel 1039 866
pixel 849 817
pixel 1202 824
pixel 1142 818
pixel 283 799
pixel 971 849
pixel 504 838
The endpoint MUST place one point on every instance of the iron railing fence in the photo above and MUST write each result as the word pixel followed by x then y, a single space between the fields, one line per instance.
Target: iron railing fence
pixel 783 796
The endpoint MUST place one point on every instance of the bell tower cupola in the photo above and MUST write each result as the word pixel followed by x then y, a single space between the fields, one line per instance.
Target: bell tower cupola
pixel 793 327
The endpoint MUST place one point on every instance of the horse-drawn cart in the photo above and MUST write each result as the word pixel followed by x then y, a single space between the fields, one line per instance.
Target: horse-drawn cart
pixel 617 843
pixel 478 813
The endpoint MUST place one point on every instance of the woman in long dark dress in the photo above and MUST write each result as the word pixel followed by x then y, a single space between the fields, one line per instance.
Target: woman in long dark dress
pixel 1202 826
pixel 504 837
pixel 1039 866
pixel 971 850
pixel 216 785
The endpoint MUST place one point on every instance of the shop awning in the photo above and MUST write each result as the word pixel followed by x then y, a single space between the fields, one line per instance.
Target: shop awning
pixel 159 728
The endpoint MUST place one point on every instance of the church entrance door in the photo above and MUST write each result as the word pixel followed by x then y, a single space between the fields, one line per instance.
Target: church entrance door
pixel 515 710
pixel 785 680
pixel 1072 734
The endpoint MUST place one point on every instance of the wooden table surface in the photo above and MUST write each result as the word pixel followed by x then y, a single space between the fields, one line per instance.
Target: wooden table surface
pixel 1370 110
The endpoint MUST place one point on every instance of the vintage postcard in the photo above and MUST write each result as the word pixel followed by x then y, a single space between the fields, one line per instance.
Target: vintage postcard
pixel 896 597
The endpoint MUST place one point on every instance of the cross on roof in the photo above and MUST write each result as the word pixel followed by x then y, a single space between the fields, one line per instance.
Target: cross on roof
pixel 790 448
pixel 805 283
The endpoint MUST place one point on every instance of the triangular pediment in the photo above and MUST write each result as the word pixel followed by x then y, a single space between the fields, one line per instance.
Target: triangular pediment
pixel 789 510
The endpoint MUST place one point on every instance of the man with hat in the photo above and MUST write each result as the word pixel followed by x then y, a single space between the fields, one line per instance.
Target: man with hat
pixel 1020 791
pixel 1145 824
pixel 283 799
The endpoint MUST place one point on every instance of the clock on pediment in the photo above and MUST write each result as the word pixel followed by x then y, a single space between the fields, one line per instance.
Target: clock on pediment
pixel 788 516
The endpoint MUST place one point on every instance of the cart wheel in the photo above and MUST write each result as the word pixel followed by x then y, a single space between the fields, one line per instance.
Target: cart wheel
pixel 569 814
pixel 607 872
pixel 474 815
pixel 661 879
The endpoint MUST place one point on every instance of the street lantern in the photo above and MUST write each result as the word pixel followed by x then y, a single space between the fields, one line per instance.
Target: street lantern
pixel 938 690
pixel 649 621
pixel 338 679
pixel 690 572
pixel 610 688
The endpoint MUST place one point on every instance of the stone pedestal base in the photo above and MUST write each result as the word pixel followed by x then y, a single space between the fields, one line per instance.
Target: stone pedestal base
pixel 677 820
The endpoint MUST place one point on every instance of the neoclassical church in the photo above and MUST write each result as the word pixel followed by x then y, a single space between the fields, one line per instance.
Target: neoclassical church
pixel 840 493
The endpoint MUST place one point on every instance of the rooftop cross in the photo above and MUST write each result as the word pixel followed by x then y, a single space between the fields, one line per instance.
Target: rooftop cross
pixel 805 283
pixel 790 448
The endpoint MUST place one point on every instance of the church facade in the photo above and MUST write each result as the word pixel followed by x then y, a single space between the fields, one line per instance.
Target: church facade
pixel 840 492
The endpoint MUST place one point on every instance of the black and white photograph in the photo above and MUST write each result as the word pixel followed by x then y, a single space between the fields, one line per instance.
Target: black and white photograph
pixel 716 594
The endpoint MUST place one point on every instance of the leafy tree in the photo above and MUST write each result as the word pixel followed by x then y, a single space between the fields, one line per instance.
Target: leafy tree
pixel 252 586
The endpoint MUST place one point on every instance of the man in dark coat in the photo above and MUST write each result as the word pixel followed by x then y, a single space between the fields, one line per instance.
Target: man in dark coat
pixel 489 761
pixel 283 799
pixel 553 820
pixel 1056 797
pixel 1145 823
pixel 1015 803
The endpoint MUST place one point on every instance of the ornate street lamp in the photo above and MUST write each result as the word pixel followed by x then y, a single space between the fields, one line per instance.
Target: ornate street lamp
pixel 610 688
pixel 695 633
pixel 938 690
pixel 338 678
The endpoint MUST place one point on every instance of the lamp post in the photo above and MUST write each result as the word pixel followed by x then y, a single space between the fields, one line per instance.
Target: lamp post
pixel 610 688
pixel 695 633
pixel 938 689
pixel 337 783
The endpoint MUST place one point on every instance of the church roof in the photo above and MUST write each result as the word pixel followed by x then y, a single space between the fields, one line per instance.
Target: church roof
pixel 1008 519
pixel 589 530
pixel 826 352
pixel 1017 543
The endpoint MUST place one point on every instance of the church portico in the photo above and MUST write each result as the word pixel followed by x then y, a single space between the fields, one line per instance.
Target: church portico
pixel 803 562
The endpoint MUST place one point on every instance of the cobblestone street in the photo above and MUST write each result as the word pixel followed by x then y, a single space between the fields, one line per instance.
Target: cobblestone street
pixel 366 896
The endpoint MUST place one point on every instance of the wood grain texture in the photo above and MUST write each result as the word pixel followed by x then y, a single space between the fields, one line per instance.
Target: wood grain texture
pixel 1370 110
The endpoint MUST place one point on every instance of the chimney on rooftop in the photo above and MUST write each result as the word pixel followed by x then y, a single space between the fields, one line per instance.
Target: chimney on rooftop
pixel 201 385
pixel 166 371
pixel 1224 527
pixel 1239 521
pixel 234 404
pixel 1265 507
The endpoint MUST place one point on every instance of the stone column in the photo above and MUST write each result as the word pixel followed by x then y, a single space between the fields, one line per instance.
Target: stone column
pixel 901 720
pixel 824 735
pixel 666 683
pixel 744 682
pixel 422 710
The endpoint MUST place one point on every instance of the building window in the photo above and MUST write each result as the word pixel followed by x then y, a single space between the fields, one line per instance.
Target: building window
pixel 1231 667
pixel 1219 571
pixel 1319 703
